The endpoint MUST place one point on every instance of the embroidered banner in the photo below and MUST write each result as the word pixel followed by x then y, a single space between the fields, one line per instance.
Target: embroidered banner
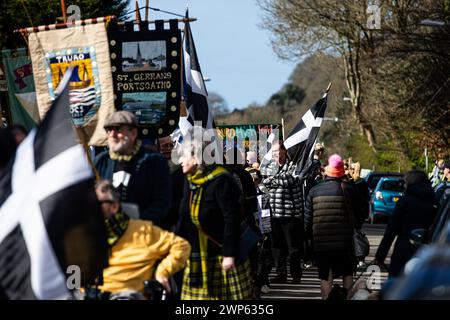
pixel 248 136
pixel 20 84
pixel 146 68
pixel 91 86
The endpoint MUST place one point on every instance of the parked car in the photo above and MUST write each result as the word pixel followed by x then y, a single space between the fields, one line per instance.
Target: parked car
pixel 374 177
pixel 385 196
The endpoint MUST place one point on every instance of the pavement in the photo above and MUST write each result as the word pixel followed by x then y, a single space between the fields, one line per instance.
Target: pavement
pixel 309 288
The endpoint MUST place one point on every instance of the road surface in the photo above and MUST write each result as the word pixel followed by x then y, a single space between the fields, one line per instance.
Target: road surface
pixel 309 288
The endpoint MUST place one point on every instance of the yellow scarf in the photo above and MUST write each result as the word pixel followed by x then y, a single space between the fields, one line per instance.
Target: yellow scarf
pixel 198 265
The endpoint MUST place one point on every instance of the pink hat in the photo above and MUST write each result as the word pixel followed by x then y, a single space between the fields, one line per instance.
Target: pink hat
pixel 335 166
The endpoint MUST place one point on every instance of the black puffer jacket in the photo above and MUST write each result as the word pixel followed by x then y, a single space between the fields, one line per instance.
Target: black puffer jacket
pixel 286 195
pixel 327 217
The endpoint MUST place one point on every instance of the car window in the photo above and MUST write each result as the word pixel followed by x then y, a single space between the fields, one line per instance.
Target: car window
pixel 393 185
pixel 373 181
pixel 374 178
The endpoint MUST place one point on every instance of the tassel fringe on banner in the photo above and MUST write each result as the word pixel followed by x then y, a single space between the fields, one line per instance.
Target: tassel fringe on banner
pixel 66 25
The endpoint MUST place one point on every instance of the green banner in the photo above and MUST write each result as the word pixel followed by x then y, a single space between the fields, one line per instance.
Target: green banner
pixel 247 136
pixel 21 91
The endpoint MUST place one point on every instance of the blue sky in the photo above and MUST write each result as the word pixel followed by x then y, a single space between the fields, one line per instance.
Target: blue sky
pixel 233 50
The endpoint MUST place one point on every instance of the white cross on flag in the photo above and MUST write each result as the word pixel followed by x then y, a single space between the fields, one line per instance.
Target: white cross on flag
pixel 301 140
pixel 50 218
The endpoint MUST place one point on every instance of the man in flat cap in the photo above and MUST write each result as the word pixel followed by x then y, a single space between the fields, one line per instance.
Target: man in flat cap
pixel 141 176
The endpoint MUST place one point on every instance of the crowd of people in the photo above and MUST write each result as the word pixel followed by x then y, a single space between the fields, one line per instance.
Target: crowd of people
pixel 181 223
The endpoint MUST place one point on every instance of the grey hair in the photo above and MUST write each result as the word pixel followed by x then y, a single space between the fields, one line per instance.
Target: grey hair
pixel 196 142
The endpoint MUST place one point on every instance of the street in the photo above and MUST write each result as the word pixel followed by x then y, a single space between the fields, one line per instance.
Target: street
pixel 310 285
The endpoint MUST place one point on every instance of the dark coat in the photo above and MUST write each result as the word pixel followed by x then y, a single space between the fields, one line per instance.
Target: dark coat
pixel 363 206
pixel 327 215
pixel 416 210
pixel 149 185
pixel 248 192
pixel 220 215
pixel 178 179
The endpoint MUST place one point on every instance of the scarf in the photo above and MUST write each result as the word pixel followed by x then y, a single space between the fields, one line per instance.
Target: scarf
pixel 116 225
pixel 126 157
pixel 198 261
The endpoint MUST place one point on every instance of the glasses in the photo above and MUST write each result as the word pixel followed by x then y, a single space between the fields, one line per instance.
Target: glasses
pixel 120 129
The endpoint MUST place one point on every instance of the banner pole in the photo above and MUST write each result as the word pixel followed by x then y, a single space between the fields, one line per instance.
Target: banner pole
pixel 86 22
pixel 65 25
pixel 82 135
pixel 146 10
pixel 63 9
pixel 183 105
pixel 138 16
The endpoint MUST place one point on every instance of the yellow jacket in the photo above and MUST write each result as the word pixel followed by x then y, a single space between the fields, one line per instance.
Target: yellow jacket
pixel 133 257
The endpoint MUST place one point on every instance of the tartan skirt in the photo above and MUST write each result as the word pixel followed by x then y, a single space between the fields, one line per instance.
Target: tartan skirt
pixel 235 284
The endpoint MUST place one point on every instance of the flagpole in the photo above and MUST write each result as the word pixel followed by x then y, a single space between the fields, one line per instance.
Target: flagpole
pixel 83 138
pixel 138 16
pixel 183 105
pixel 63 9
pixel 146 10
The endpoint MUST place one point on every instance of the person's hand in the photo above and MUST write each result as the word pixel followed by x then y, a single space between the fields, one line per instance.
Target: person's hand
pixel 228 263
pixel 164 281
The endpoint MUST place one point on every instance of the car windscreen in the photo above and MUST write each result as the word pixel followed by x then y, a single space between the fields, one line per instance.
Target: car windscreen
pixel 373 181
pixel 393 185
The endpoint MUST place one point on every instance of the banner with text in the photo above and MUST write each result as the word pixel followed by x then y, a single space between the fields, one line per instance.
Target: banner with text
pixel 91 87
pixel 247 137
pixel 146 68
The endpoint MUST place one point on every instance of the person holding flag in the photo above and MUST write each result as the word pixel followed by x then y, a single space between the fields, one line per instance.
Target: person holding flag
pixel 294 158
pixel 286 203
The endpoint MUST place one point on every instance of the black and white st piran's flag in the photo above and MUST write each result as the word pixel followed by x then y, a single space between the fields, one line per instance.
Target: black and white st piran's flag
pixel 195 92
pixel 300 142
pixel 51 225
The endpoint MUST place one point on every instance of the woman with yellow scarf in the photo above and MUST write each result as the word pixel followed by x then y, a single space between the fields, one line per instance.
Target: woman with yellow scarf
pixel 210 218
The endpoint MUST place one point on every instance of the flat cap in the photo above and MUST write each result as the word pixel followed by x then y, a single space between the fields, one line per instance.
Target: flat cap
pixel 120 118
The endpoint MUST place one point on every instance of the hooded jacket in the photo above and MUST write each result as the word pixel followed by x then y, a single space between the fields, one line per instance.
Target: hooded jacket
pixel 416 210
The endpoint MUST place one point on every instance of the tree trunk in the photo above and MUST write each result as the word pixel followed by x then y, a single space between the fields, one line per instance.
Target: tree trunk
pixel 353 80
